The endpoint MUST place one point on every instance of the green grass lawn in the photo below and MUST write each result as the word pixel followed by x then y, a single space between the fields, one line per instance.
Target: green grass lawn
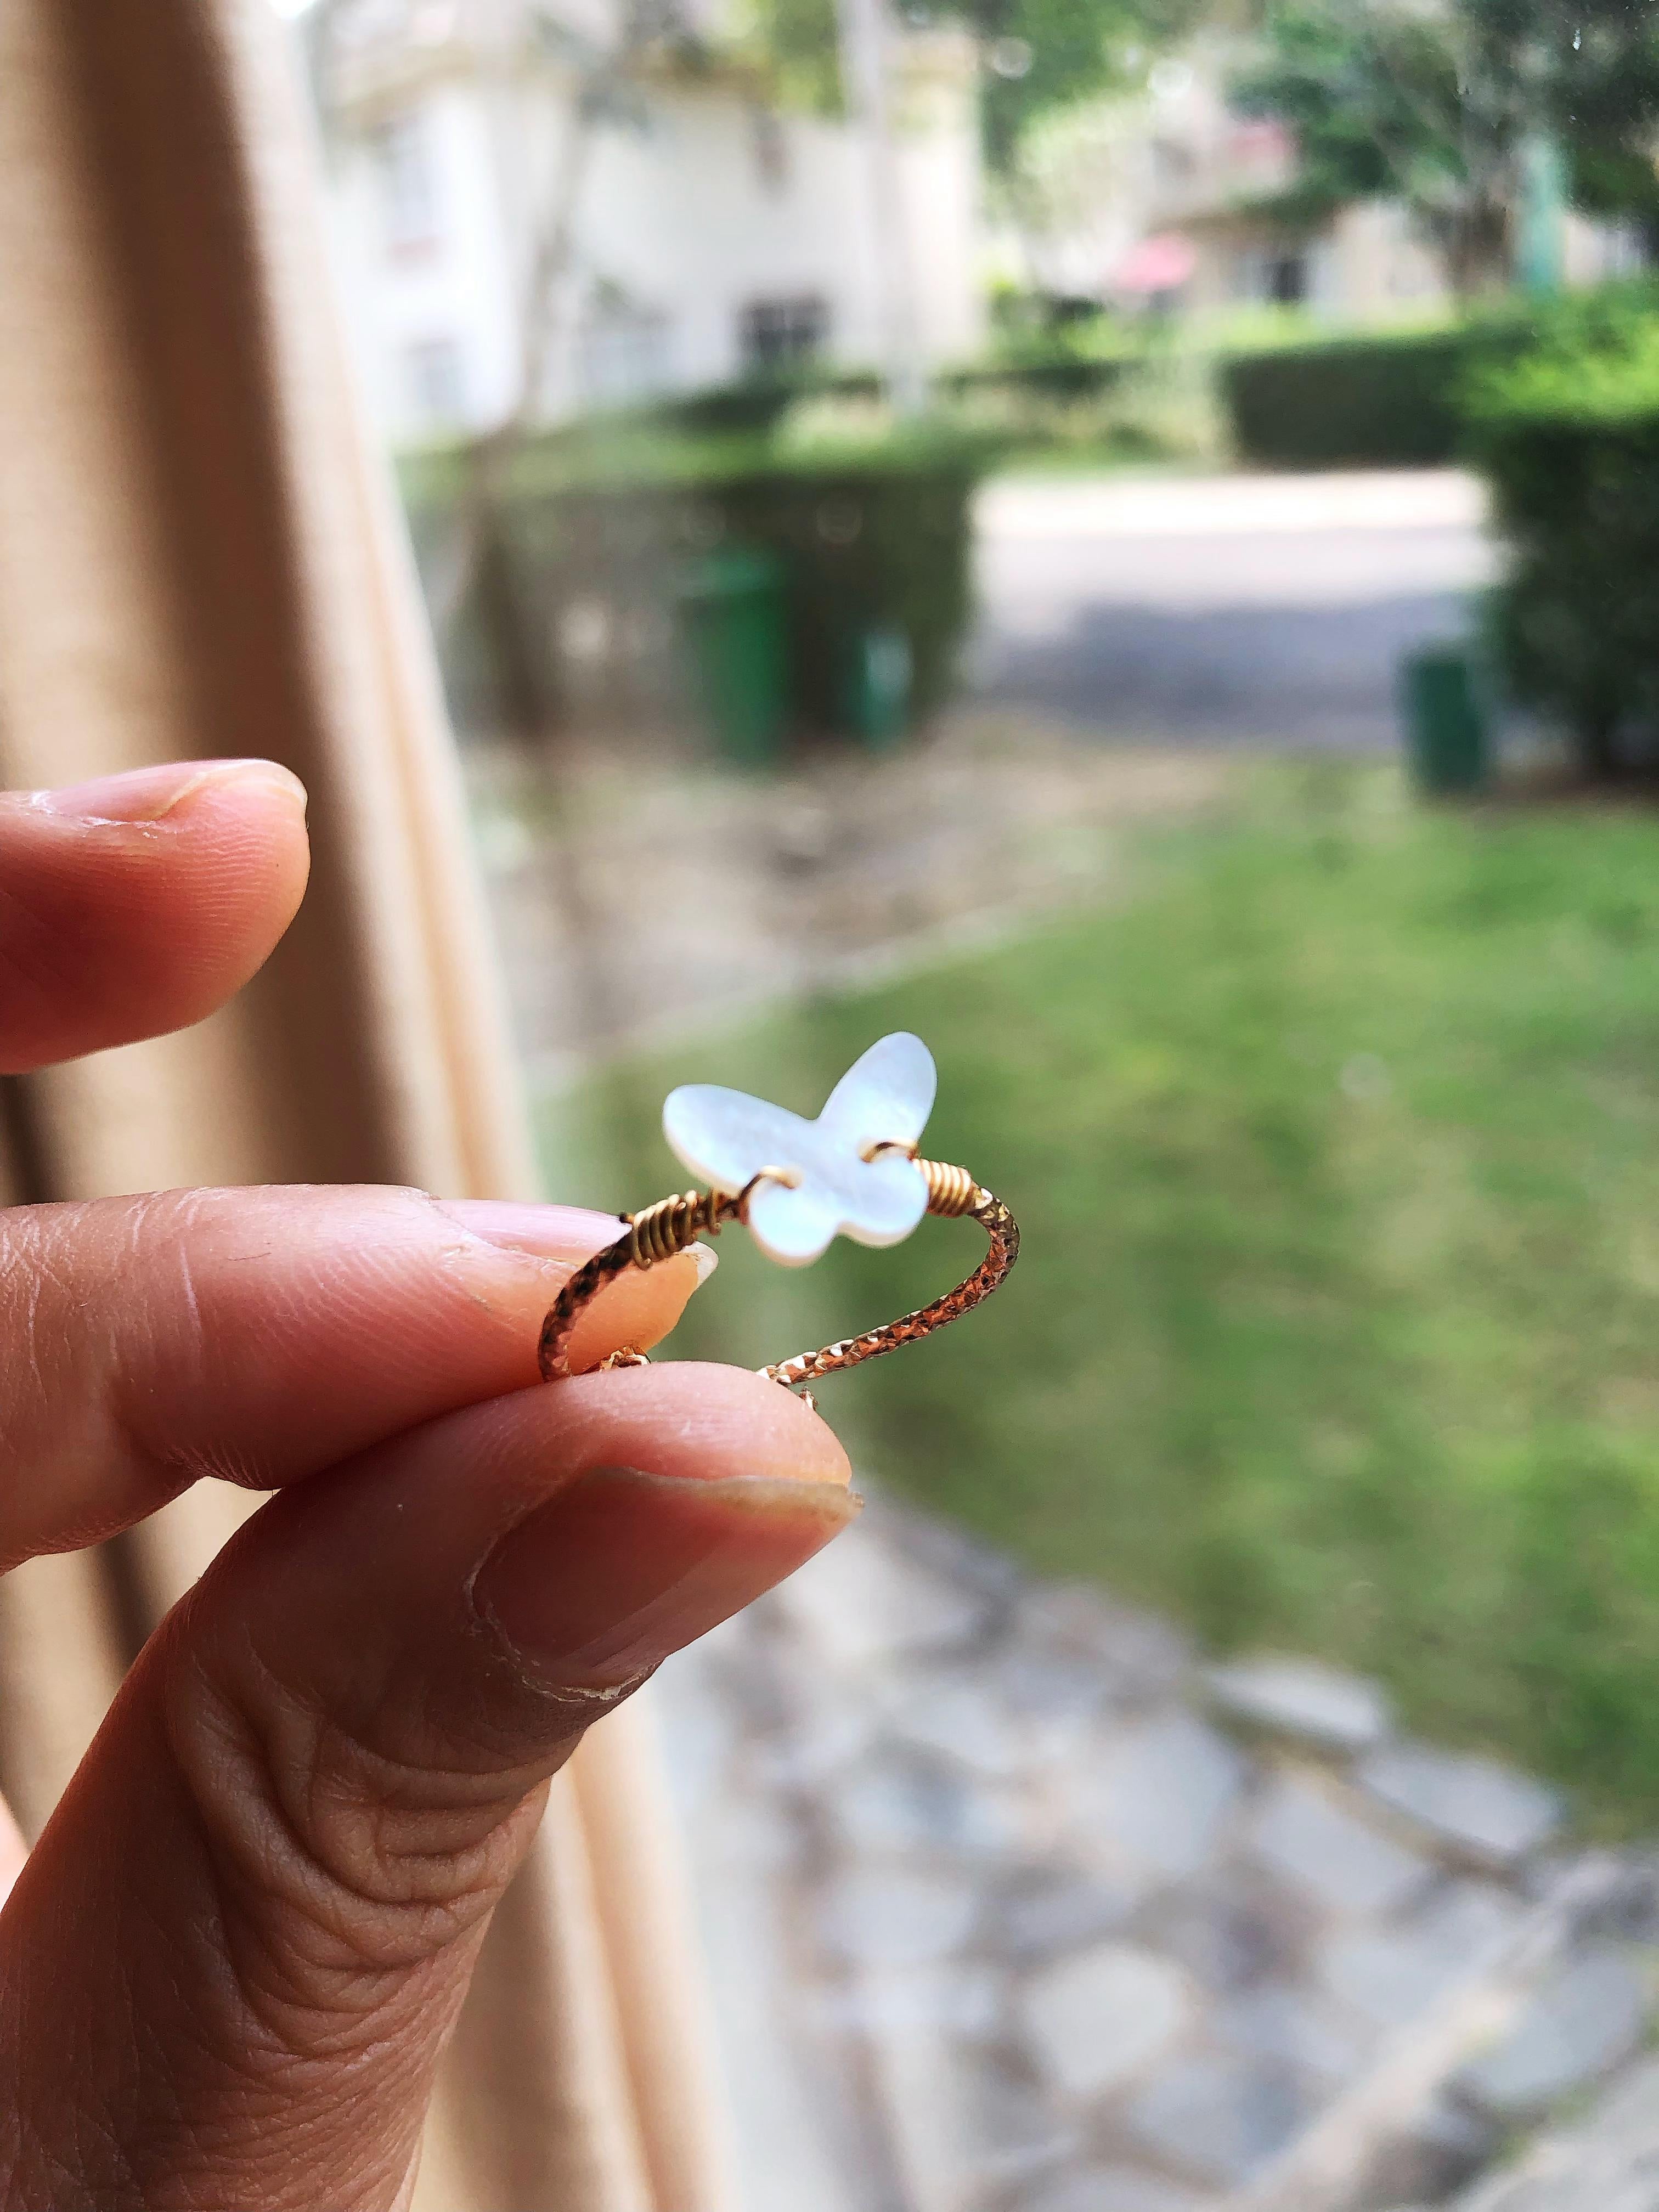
pixel 1335 1142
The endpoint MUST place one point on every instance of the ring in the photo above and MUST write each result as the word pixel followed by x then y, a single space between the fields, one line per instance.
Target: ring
pixel 797 1184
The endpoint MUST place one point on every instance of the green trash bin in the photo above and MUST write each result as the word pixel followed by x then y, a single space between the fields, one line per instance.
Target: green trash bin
pixel 1447 740
pixel 732 613
pixel 879 673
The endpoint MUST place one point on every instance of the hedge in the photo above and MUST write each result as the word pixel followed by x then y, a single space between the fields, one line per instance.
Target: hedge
pixel 759 403
pixel 1047 371
pixel 1392 400
pixel 574 612
pixel 1568 439
pixel 1060 376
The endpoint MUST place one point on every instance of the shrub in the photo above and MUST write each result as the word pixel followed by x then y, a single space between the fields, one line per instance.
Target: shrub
pixel 1019 313
pixel 1058 375
pixel 1391 399
pixel 1079 357
pixel 575 609
pixel 865 547
pixel 1568 438
pixel 759 403
pixel 1046 367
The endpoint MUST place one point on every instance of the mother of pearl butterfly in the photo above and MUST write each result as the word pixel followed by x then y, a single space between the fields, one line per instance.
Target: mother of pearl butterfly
pixel 839 1183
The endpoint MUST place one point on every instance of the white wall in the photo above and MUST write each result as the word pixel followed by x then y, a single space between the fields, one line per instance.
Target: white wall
pixel 681 217
pixel 1377 265
pixel 457 286
pixel 685 219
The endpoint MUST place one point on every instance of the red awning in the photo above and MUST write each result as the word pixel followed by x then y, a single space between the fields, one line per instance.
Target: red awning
pixel 1156 264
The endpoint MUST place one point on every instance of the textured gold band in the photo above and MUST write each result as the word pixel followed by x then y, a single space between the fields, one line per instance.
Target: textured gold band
pixel 662 1229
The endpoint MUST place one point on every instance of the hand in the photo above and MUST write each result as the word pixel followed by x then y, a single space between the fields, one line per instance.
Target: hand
pixel 229 1963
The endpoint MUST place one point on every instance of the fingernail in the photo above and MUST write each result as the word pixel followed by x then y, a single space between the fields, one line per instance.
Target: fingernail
pixel 150 795
pixel 546 1232
pixel 608 1578
pixel 551 1232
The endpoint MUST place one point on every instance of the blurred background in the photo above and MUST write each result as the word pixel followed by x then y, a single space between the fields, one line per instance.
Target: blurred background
pixel 1123 536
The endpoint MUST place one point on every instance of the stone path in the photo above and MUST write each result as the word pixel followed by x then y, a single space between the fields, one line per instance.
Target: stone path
pixel 1609 2162
pixel 1015 1906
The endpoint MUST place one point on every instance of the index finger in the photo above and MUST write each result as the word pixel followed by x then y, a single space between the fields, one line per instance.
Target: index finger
pixel 138 904
pixel 261 1334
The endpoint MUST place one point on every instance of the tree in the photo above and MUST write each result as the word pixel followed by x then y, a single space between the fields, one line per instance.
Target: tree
pixel 794 48
pixel 1040 55
pixel 1437 106
pixel 1045 55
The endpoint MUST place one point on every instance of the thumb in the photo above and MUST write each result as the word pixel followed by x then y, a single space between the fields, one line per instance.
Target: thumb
pixel 229 1968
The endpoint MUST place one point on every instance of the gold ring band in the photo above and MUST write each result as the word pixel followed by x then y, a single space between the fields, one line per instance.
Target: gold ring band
pixel 658 1231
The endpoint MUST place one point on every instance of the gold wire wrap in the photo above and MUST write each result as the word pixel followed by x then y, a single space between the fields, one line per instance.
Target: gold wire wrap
pixel 669 1226
pixel 658 1231
pixel 950 1191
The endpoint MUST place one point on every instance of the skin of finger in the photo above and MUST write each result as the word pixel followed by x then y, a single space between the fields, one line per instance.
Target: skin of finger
pixel 261 1334
pixel 279 1859
pixel 13 1850
pixel 112 930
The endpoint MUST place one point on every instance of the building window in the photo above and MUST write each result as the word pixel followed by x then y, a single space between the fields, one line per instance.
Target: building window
pixel 407 184
pixel 771 148
pixel 436 380
pixel 1277 276
pixel 624 354
pixel 773 334
pixel 1287 279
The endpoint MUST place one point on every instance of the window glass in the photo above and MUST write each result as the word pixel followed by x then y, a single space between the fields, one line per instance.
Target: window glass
pixel 776 332
pixel 403 155
pixel 437 391
pixel 1118 536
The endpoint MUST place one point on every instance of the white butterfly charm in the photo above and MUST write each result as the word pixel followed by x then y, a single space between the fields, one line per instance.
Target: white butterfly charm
pixel 884 1098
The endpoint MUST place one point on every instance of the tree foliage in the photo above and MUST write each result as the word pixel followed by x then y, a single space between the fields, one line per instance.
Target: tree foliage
pixel 794 47
pixel 1044 55
pixel 1039 55
pixel 1438 107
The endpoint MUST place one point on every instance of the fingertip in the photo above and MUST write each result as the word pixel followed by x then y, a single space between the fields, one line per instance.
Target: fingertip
pixel 633 1312
pixel 139 902
pixel 13 1850
pixel 621 1568
pixel 636 1311
pixel 140 796
pixel 696 1420
pixel 246 819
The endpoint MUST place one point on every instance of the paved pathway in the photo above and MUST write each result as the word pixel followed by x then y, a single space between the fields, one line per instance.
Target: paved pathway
pixel 1013 1906
pixel 1608 2162
pixel 1230 611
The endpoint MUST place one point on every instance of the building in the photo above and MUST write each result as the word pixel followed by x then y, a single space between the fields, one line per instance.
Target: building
pixel 688 232
pixel 1176 163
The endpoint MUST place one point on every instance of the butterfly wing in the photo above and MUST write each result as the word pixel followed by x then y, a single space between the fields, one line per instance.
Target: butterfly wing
pixel 873 1201
pixel 794 1227
pixel 885 1096
pixel 726 1137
